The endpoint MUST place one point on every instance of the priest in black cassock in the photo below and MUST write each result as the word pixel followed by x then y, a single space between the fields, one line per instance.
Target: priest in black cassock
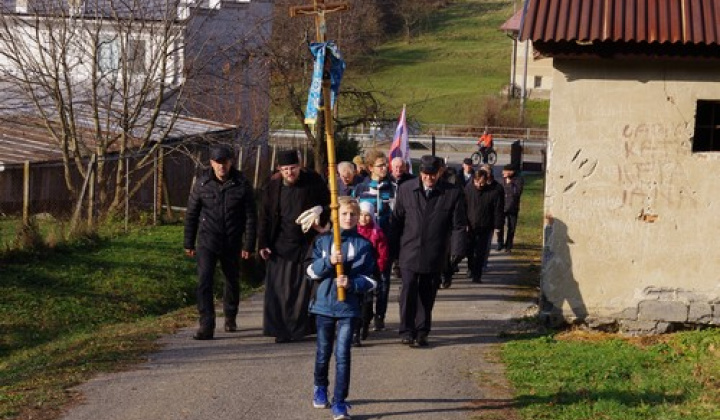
pixel 291 195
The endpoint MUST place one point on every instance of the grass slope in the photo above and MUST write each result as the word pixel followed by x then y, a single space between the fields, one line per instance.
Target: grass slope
pixel 445 74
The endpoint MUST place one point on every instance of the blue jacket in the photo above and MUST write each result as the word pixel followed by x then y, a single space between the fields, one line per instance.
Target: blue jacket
pixel 359 266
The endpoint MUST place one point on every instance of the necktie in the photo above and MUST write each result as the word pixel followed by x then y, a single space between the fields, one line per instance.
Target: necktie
pixel 428 192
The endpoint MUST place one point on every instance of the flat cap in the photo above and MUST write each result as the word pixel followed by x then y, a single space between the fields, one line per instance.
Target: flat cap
pixel 430 164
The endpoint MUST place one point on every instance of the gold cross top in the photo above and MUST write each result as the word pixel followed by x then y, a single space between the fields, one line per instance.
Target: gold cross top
pixel 319 9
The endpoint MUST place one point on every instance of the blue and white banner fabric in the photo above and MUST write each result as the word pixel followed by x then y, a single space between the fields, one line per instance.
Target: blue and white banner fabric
pixel 320 50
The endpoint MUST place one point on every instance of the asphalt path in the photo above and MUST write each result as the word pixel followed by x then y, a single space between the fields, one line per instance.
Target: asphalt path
pixel 245 375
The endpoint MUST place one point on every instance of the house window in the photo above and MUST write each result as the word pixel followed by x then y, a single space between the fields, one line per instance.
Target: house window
pixel 707 127
pixel 136 56
pixel 108 55
pixel 538 82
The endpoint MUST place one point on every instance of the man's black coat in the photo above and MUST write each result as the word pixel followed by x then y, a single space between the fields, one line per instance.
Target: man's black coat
pixel 314 192
pixel 484 207
pixel 422 228
pixel 219 214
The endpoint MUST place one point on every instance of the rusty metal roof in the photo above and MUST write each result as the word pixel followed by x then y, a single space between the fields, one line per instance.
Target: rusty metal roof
pixel 513 24
pixel 642 23
pixel 27 139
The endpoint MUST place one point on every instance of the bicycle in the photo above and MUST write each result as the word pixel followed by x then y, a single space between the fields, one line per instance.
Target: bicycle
pixel 489 158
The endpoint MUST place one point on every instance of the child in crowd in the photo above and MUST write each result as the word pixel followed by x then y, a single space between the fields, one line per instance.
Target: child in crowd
pixel 335 319
pixel 369 229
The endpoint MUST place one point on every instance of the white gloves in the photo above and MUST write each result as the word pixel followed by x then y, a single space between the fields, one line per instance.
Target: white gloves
pixel 309 217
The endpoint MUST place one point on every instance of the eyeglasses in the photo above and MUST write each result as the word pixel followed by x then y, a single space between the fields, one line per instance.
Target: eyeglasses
pixel 382 165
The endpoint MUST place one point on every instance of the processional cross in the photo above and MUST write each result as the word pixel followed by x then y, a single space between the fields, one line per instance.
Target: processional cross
pixel 319 9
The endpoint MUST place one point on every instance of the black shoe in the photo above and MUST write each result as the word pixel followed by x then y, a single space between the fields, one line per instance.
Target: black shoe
pixel 446 283
pixel 282 340
pixel 204 333
pixel 379 324
pixel 230 325
pixel 356 340
pixel 365 331
pixel 508 250
pixel 408 341
pixel 476 279
pixel 422 341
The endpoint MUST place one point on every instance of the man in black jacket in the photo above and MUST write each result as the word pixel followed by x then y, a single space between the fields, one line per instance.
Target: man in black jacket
pixel 512 188
pixel 485 216
pixel 220 210
pixel 428 214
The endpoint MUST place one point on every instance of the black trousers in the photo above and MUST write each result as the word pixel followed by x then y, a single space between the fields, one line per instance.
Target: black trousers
pixel 480 249
pixel 417 299
pixel 230 266
pixel 511 223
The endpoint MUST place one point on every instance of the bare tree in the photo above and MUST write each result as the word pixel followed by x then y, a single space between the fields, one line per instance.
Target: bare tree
pixel 356 32
pixel 413 13
pixel 110 77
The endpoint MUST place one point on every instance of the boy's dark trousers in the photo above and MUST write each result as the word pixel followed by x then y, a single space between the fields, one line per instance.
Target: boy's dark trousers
pixel 481 248
pixel 230 265
pixel 361 328
pixel 511 223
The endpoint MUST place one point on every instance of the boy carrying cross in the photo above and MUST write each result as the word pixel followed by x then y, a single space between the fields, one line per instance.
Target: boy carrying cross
pixel 334 318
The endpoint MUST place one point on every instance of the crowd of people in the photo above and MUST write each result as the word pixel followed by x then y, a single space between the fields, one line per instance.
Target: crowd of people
pixel 420 227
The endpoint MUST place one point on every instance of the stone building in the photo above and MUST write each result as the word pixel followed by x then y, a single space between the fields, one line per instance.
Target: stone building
pixel 632 197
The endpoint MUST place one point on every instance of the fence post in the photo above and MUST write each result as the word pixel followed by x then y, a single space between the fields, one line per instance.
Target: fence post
pixel 155 189
pixel 26 193
pixel 127 194
pixel 160 174
pixel 257 166
pixel 81 197
pixel 91 200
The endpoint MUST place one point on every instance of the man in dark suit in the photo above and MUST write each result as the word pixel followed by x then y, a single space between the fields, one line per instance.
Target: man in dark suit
pixel 429 213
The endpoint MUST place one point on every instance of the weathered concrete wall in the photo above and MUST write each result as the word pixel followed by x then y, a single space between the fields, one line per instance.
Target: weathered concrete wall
pixel 635 235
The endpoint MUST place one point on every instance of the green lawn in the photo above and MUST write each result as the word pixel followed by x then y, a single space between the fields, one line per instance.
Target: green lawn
pixel 579 375
pixel 589 376
pixel 69 312
pixel 446 72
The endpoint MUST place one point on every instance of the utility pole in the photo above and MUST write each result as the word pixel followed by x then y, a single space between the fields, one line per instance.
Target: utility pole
pixel 319 9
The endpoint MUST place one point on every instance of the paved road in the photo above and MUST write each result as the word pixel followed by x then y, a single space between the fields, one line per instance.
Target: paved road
pixel 247 376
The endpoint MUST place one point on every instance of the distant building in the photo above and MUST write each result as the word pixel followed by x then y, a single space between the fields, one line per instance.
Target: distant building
pixel 632 193
pixel 535 78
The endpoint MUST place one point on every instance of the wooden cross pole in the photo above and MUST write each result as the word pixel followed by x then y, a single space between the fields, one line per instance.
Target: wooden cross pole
pixel 319 9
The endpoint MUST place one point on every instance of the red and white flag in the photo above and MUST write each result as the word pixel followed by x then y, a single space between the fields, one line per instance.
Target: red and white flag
pixel 401 146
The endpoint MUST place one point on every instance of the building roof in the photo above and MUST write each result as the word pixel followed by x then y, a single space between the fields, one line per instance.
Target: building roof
pixel 628 27
pixel 27 139
pixel 513 24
